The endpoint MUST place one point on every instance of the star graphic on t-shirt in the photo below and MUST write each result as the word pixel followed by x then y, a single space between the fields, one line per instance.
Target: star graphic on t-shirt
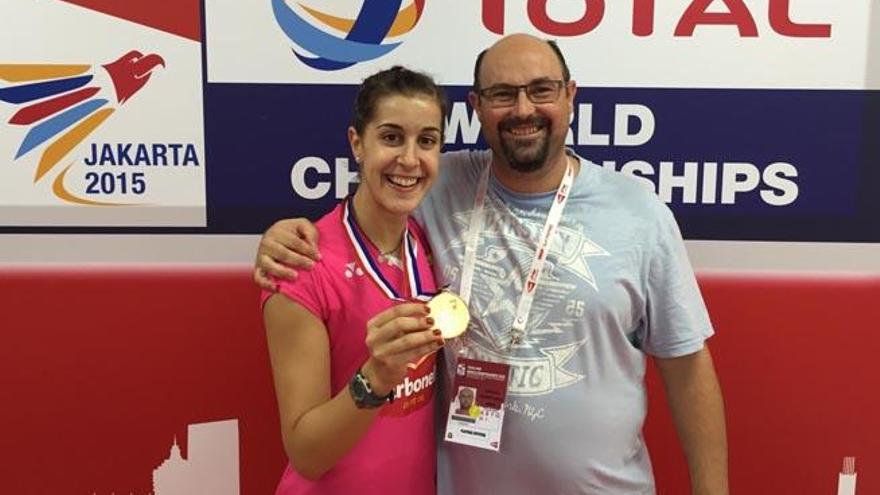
pixel 574 249
pixel 500 300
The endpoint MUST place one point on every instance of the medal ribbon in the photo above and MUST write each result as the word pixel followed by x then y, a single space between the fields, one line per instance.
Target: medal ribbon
pixel 518 329
pixel 411 267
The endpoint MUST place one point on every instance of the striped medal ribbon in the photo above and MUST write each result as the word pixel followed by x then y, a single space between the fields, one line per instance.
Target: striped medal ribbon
pixel 371 266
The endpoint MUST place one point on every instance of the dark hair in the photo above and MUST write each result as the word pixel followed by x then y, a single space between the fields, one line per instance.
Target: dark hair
pixel 566 74
pixel 390 82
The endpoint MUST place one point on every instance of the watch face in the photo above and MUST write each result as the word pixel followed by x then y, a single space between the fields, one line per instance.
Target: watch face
pixel 450 314
pixel 358 390
pixel 361 394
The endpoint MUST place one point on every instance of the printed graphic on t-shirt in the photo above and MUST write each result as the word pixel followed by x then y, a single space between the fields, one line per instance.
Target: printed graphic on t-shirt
pixel 538 363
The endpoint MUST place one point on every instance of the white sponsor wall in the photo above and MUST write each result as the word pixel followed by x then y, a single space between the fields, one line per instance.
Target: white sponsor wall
pixel 451 34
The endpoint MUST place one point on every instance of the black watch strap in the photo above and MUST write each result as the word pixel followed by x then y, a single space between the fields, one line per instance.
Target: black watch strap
pixel 363 394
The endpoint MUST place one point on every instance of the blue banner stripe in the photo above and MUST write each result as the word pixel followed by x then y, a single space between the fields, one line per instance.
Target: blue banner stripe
pixel 374 21
pixel 322 63
pixel 29 92
pixel 828 136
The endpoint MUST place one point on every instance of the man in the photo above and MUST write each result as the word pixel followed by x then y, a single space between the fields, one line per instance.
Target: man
pixel 573 274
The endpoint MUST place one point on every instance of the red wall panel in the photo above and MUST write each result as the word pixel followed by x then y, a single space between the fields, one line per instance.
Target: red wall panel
pixel 797 360
pixel 103 368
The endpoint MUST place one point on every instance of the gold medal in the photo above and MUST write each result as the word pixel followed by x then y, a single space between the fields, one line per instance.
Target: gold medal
pixel 450 314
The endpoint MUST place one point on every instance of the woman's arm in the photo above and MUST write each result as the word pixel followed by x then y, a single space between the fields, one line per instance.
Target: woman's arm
pixel 317 429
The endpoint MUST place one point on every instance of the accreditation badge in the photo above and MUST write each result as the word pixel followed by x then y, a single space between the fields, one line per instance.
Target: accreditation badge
pixel 476 412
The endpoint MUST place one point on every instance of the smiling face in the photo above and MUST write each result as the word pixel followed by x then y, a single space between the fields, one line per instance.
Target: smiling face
pixel 525 136
pixel 399 152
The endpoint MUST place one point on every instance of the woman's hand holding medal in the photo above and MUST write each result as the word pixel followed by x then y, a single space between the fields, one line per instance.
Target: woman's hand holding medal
pixel 402 336
pixel 396 337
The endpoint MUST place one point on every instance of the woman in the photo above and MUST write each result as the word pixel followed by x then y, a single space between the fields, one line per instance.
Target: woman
pixel 351 344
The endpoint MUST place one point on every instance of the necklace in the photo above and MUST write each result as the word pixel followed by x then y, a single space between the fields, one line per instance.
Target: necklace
pixel 382 253
pixel 391 256
pixel 391 252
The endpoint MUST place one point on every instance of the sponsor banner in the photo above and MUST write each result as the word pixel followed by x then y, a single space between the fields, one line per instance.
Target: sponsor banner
pixel 732 164
pixel 101 121
pixel 643 43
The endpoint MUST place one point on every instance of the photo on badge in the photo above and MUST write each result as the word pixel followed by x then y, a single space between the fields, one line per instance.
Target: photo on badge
pixel 467 409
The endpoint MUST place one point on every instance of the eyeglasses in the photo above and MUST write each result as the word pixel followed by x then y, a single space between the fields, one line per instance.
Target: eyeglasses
pixel 505 95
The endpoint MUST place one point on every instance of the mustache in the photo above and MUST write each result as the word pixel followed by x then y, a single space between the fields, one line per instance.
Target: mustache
pixel 535 120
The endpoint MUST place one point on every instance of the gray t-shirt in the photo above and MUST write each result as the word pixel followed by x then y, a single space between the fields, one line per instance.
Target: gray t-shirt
pixel 616 285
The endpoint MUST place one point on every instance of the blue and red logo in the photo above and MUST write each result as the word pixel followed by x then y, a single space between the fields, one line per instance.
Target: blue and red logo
pixel 62 105
pixel 341 42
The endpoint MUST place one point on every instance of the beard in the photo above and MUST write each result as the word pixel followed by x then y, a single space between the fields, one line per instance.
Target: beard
pixel 523 156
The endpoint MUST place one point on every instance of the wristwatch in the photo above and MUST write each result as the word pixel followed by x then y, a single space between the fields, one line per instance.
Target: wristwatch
pixel 363 395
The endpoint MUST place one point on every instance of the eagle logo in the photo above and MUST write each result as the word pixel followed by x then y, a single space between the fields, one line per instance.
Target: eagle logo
pixel 63 104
